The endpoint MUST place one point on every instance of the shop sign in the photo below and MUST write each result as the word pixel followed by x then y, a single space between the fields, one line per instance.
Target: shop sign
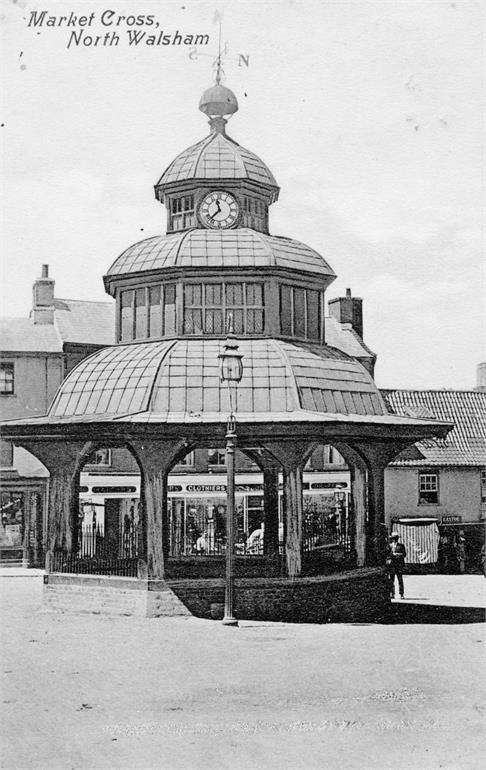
pixel 206 488
pixel 451 520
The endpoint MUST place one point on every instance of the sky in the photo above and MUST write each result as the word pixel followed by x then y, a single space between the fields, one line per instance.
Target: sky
pixel 366 112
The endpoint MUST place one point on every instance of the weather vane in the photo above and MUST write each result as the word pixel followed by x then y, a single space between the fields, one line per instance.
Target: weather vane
pixel 242 59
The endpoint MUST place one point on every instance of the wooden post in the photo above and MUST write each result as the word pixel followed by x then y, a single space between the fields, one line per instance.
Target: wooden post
pixel 155 459
pixel 293 516
pixel 377 455
pixel 62 459
pixel 270 505
pixel 292 458
pixel 358 497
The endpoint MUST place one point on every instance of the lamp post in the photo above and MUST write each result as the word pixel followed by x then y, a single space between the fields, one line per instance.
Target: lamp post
pixel 231 371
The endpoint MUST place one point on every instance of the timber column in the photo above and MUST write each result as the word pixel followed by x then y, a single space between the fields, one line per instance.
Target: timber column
pixel 155 459
pixel 377 456
pixel 292 458
pixel 63 460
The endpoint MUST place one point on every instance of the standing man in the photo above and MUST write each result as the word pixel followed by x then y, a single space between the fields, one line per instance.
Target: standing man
pixel 395 563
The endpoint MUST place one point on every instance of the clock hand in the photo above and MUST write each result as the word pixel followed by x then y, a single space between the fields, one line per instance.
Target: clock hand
pixel 218 209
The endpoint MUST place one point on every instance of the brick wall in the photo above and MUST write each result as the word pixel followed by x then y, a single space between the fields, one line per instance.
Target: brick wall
pixel 352 596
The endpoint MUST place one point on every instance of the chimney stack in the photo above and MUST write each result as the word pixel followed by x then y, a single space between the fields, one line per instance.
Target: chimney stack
pixel 481 377
pixel 348 310
pixel 43 298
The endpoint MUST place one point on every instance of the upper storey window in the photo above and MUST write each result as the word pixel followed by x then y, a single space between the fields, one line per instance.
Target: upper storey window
pixel 300 312
pixel 182 213
pixel 148 312
pixel 212 308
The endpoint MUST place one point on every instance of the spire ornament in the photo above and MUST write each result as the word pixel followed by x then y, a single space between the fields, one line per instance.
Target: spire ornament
pixel 218 101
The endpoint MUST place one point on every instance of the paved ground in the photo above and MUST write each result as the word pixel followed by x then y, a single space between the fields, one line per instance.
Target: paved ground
pixel 91 692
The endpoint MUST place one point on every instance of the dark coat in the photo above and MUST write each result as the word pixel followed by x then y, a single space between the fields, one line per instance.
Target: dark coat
pixel 395 558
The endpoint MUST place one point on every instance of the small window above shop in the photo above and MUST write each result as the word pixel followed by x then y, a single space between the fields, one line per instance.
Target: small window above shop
pixel 6 379
pixel 428 488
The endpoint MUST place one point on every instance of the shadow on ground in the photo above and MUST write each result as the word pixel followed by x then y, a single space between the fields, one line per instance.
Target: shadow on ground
pixel 436 614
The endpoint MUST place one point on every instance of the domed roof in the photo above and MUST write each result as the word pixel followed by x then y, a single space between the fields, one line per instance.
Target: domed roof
pixel 174 381
pixel 217 157
pixel 241 247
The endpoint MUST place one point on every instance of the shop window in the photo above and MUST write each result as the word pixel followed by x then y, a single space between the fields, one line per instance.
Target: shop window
pixel 216 457
pixel 188 460
pixel 6 379
pixel 11 518
pixel 6 454
pixel 100 457
pixel 428 488
pixel 483 486
pixel 300 312
pixel 213 308
pixel 182 212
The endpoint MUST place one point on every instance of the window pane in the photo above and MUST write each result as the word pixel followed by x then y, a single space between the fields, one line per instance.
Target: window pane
pixel 254 321
pixel 235 318
pixel 126 302
pixel 155 312
pixel 234 294
pixel 140 313
pixel 213 322
pixel 193 295
pixel 254 294
pixel 313 315
pixel 285 310
pixel 213 294
pixel 299 312
pixel 192 321
pixel 177 221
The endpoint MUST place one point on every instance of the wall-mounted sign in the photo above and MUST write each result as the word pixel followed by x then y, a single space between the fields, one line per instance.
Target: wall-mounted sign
pixel 451 520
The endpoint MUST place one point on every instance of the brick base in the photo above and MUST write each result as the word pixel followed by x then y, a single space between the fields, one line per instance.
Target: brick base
pixel 360 594
pixel 110 596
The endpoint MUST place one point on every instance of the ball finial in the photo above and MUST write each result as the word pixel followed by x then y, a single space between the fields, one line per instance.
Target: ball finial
pixel 218 101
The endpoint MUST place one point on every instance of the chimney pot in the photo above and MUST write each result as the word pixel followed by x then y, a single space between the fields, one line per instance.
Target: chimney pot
pixel 348 292
pixel 45 271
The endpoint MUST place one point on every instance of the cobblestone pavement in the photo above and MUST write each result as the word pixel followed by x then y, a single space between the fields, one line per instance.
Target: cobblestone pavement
pixel 185 693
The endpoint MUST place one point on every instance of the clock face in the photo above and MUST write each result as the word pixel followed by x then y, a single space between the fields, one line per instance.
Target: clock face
pixel 219 210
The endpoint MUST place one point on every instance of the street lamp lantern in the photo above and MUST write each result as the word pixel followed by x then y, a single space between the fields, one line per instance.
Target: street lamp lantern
pixel 231 372
pixel 230 363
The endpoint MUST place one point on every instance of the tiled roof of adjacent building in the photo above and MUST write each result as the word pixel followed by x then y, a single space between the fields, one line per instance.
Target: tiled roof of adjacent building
pixel 242 247
pixel 75 321
pixel 217 157
pixel 465 444
pixel 342 336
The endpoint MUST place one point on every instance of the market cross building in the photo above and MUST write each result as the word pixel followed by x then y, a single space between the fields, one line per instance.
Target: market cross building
pixel 157 392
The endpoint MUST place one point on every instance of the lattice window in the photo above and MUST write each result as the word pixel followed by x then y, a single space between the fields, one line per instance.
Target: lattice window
pixel 300 312
pixel 212 307
pixel 147 312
